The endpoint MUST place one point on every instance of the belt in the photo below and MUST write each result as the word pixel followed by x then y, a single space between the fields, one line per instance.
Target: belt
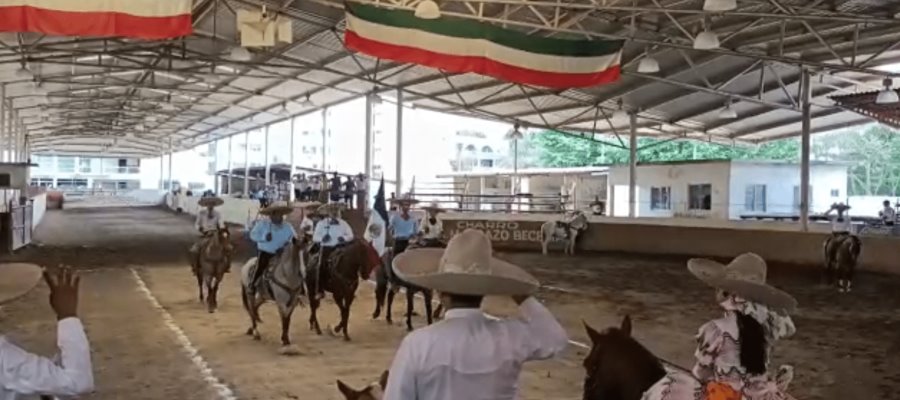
pixel 402 238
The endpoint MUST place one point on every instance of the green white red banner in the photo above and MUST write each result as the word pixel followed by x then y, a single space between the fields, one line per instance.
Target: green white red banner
pixel 461 45
pixel 143 19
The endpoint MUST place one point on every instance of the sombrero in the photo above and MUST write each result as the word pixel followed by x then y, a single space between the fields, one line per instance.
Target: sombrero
pixel 210 201
pixel 406 198
pixel 329 207
pixel 466 267
pixel 307 204
pixel 17 279
pixel 745 276
pixel 276 210
pixel 433 206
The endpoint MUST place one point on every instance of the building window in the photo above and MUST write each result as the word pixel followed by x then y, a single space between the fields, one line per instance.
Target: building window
pixel 487 149
pixel 42 182
pixel 755 198
pixel 486 163
pixel 65 164
pixel 835 193
pixel 797 198
pixel 660 198
pixel 700 197
pixel 5 180
pixel 84 165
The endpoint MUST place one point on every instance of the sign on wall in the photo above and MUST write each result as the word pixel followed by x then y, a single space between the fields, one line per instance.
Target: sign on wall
pixel 499 231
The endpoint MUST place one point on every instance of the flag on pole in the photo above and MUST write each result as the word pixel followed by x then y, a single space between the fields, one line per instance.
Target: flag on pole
pixel 462 45
pixel 141 19
pixel 376 229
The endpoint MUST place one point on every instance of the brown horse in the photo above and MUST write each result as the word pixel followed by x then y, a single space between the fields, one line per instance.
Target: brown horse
pixel 387 283
pixel 374 391
pixel 618 367
pixel 841 255
pixel 340 276
pixel 215 259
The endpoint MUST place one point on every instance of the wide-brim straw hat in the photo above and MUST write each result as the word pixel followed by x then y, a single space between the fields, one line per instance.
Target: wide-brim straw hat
pixel 308 204
pixel 210 201
pixel 466 267
pixel 433 206
pixel 745 276
pixel 17 279
pixel 406 198
pixel 328 208
pixel 276 210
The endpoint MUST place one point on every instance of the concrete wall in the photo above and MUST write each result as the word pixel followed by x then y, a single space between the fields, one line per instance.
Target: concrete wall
pixel 780 180
pixel 677 177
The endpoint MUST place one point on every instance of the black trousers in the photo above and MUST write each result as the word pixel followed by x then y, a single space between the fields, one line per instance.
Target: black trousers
pixel 432 243
pixel 262 264
pixel 400 246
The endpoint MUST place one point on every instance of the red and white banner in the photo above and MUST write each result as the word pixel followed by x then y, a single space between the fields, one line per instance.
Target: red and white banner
pixel 143 19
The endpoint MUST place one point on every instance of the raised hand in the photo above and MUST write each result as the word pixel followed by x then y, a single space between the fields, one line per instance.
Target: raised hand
pixel 63 283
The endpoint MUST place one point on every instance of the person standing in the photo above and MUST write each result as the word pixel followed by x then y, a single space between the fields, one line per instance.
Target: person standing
pixel 403 227
pixel 208 223
pixel 25 374
pixel 334 188
pixel 430 228
pixel 888 214
pixel 349 191
pixel 469 355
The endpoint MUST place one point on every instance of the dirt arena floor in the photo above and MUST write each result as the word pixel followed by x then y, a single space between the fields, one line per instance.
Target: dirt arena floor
pixel 847 346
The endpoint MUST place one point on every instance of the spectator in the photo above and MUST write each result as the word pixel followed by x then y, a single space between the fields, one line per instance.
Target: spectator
pixel 349 190
pixel 334 190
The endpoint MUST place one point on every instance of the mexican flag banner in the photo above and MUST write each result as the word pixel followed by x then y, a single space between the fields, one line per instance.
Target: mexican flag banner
pixel 142 19
pixel 461 45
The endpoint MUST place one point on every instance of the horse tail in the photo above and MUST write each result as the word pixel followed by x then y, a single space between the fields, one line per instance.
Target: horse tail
pixel 244 298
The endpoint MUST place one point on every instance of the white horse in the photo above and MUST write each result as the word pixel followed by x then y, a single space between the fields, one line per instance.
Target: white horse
pixel 283 285
pixel 566 231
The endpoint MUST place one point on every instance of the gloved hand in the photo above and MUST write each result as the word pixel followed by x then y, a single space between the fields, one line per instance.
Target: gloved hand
pixel 326 238
pixel 341 239
pixel 269 237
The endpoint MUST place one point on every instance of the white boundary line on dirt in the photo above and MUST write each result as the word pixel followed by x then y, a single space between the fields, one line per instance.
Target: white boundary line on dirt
pixel 221 389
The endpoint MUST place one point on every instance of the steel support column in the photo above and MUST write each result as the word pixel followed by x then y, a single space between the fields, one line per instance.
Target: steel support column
pixel 171 186
pixel 246 189
pixel 805 91
pixel 228 175
pixel 293 163
pixel 632 165
pixel 324 134
pixel 369 121
pixel 3 129
pixel 215 166
pixel 266 152
pixel 399 172
pixel 162 173
pixel 16 129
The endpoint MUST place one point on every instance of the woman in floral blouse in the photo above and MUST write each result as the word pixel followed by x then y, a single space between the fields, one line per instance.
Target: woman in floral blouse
pixel 733 351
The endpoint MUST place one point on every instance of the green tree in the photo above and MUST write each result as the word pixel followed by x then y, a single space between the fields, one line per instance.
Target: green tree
pixel 872 154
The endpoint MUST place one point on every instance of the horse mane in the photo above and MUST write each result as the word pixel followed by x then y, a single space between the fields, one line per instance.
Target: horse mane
pixel 618 366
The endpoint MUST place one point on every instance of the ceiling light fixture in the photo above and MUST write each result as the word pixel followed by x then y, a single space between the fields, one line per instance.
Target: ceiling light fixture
pixel 307 102
pixel 515 133
pixel 240 54
pixel 23 73
pixel 428 9
pixel 706 40
pixel 375 98
pixel 719 5
pixel 888 95
pixel 284 109
pixel 648 65
pixel 620 114
pixel 727 112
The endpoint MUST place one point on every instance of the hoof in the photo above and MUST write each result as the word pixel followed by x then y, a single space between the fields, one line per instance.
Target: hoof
pixel 257 337
pixel 289 350
pixel 249 332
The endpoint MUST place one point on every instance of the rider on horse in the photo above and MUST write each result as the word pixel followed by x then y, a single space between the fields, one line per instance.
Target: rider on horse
pixel 431 229
pixel 208 223
pixel 734 350
pixel 403 227
pixel 310 217
pixel 330 233
pixel 271 236
pixel 840 224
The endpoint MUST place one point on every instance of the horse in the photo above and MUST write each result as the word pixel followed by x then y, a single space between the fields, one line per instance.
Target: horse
pixel 841 255
pixel 282 284
pixel 374 391
pixel 387 283
pixel 341 277
pixel 566 230
pixel 618 367
pixel 214 261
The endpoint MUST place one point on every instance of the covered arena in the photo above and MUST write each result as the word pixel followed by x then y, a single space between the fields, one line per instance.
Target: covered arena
pixel 778 69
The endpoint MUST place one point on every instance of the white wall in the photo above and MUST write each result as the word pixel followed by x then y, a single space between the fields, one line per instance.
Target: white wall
pixel 39 208
pixel 677 177
pixel 780 180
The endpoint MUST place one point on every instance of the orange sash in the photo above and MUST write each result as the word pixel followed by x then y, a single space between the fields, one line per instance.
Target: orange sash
pixel 721 391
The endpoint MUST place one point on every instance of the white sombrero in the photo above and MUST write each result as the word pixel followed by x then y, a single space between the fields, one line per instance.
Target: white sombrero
pixel 210 201
pixel 17 279
pixel 744 276
pixel 308 204
pixel 466 267
pixel 434 206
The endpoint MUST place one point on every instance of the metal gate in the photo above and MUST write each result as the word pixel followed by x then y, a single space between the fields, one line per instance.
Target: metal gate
pixel 20 226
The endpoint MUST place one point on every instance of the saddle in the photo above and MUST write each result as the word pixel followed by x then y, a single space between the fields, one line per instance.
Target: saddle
pixel 566 228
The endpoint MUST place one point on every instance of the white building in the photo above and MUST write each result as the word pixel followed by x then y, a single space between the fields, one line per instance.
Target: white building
pixel 724 189
pixel 86 173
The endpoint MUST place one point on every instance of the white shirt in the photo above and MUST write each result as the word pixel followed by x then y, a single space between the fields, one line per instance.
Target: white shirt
pixel 307 225
pixel 208 221
pixel 24 374
pixel 339 230
pixel 889 214
pixel 469 356
pixel 434 231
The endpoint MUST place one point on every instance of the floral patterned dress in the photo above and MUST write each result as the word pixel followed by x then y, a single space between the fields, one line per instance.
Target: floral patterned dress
pixel 718 373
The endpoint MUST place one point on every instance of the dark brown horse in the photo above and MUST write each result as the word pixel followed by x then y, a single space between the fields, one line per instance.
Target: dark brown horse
pixel 618 367
pixel 215 259
pixel 340 276
pixel 841 255
pixel 374 391
pixel 387 284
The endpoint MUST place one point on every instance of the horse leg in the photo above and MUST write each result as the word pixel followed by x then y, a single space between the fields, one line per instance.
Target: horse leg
pixel 380 293
pixel 247 301
pixel 200 284
pixel 390 304
pixel 410 298
pixel 285 312
pixel 345 316
pixel 427 294
pixel 544 246
pixel 211 289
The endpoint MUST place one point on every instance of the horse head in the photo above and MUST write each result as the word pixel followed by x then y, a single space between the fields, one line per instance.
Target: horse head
pixel 375 391
pixel 618 367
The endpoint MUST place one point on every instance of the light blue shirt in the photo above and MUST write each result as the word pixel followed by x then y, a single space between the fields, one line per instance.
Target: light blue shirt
pixel 332 232
pixel 404 228
pixel 281 235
